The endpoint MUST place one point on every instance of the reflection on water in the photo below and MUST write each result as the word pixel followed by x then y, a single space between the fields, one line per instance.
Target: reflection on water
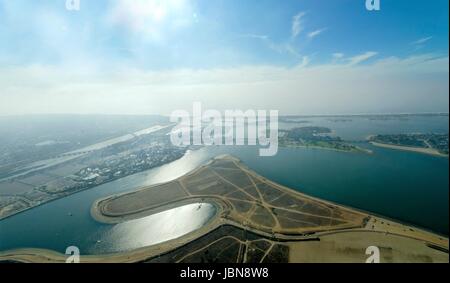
pixel 67 221
pixel 402 185
pixel 178 168
pixel 156 228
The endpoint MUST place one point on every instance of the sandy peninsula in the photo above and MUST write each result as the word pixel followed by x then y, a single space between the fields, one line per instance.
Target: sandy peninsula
pixel 429 151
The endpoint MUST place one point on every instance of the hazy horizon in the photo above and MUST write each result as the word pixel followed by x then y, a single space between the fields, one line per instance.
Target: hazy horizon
pixel 281 115
pixel 149 57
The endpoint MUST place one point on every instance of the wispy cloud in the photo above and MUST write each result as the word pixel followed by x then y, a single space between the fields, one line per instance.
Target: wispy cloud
pixel 255 36
pixel 286 48
pixel 338 55
pixel 422 40
pixel 297 24
pixel 291 50
pixel 304 63
pixel 355 60
pixel 316 32
pixel 277 47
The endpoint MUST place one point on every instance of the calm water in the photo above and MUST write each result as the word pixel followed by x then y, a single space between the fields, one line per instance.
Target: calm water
pixel 410 187
pixel 172 223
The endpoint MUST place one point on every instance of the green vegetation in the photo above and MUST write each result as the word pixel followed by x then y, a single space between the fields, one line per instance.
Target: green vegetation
pixel 317 137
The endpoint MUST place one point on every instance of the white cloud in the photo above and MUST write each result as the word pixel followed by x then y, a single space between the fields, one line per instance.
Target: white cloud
pixel 414 84
pixel 355 60
pixel 338 55
pixel 421 40
pixel 316 33
pixel 297 24
pixel 256 36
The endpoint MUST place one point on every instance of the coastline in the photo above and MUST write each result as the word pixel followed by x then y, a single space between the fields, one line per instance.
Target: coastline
pixel 385 225
pixel 82 190
pixel 377 227
pixel 357 150
pixel 428 151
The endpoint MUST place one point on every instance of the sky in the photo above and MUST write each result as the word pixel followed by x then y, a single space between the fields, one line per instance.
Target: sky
pixel 154 57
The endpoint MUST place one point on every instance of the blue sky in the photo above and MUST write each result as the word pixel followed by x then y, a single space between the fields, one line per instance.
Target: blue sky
pixel 188 50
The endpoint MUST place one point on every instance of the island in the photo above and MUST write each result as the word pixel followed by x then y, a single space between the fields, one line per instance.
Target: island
pixel 256 221
pixel 432 144
pixel 317 137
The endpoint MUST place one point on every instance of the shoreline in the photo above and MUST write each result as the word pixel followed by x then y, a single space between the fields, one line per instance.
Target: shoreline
pixel 96 214
pixel 357 148
pixel 428 151
pixel 374 224
pixel 378 225
pixel 36 255
pixel 82 190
